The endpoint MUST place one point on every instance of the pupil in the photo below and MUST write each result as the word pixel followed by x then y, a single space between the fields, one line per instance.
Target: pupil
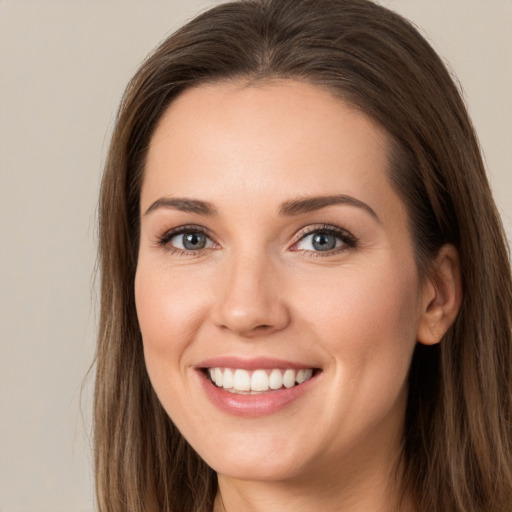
pixel 324 241
pixel 194 241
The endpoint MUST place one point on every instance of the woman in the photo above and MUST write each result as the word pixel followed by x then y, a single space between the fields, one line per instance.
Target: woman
pixel 305 286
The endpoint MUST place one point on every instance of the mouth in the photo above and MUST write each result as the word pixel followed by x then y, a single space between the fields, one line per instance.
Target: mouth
pixel 258 381
pixel 255 387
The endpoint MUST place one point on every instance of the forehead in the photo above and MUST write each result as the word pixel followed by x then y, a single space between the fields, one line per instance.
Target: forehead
pixel 285 138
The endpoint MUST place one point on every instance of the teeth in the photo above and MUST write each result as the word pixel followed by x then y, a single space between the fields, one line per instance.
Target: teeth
pixel 259 381
pixel 275 380
pixel 241 382
pixel 228 379
pixel 289 378
pixel 218 376
pixel 237 380
pixel 301 376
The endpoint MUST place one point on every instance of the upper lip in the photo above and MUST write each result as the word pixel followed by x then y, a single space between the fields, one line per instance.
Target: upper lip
pixel 251 363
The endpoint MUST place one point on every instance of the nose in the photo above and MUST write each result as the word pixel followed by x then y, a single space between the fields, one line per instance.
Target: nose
pixel 251 301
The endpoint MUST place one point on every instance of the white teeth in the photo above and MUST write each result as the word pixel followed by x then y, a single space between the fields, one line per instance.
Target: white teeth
pixel 227 379
pixel 303 375
pixel 275 379
pixel 289 378
pixel 242 380
pixel 218 376
pixel 258 381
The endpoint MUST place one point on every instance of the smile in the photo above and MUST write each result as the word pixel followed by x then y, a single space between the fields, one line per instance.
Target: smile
pixel 240 381
pixel 255 387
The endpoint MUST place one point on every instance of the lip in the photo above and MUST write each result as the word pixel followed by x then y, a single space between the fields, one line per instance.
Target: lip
pixel 251 406
pixel 251 364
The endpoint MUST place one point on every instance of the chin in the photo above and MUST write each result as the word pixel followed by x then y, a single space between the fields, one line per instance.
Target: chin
pixel 256 462
pixel 257 470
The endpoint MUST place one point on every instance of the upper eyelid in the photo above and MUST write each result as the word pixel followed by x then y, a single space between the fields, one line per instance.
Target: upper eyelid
pixel 186 228
pixel 314 228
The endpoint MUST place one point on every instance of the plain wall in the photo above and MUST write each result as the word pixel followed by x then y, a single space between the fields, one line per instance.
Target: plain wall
pixel 63 67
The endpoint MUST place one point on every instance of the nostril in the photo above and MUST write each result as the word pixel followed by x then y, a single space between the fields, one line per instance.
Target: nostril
pixel 263 327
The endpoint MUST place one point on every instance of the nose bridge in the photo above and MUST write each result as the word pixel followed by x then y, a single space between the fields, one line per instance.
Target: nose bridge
pixel 251 301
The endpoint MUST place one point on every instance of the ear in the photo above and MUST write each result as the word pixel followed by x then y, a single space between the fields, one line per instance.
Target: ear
pixel 441 296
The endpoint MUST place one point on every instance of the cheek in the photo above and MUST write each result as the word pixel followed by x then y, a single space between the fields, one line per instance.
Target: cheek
pixel 169 316
pixel 170 312
pixel 168 307
pixel 369 297
pixel 367 321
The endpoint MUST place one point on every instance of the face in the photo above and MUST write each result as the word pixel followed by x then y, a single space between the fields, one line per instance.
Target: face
pixel 275 259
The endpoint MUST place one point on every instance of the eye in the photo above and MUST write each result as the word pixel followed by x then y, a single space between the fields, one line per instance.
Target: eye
pixel 190 241
pixel 319 241
pixel 186 239
pixel 325 240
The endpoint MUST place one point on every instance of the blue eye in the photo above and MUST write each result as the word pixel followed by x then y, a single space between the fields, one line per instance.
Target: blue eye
pixel 190 241
pixel 325 240
pixel 186 239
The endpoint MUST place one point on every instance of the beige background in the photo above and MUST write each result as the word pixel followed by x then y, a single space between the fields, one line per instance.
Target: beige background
pixel 63 66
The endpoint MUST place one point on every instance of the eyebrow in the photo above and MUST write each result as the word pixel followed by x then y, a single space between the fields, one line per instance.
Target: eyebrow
pixel 288 208
pixel 309 204
pixel 184 205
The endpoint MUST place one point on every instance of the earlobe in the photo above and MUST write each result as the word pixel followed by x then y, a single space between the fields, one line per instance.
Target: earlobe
pixel 441 296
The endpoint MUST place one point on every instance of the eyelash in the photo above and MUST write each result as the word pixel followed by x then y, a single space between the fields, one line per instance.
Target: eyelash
pixel 164 240
pixel 349 241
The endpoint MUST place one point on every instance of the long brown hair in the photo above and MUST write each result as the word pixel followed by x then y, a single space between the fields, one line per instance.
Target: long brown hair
pixel 457 453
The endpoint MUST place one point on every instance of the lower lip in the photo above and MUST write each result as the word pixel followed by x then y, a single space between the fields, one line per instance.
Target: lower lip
pixel 262 404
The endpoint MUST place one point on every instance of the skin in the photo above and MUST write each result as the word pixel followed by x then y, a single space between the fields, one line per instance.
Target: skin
pixel 259 288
